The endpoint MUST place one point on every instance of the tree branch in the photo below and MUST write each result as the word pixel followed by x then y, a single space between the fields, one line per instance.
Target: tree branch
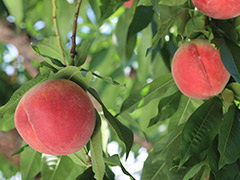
pixel 54 16
pixel 73 48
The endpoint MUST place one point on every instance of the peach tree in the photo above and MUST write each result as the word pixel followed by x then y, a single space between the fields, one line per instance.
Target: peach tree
pixel 156 76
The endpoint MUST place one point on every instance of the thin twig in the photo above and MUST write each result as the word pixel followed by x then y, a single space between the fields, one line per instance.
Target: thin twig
pixel 89 161
pixel 73 50
pixel 54 16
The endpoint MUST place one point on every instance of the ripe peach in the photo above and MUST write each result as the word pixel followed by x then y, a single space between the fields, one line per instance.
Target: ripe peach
pixel 55 117
pixel 219 9
pixel 198 70
pixel 128 4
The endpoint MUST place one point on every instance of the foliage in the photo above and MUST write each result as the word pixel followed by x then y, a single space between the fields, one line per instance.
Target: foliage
pixel 123 60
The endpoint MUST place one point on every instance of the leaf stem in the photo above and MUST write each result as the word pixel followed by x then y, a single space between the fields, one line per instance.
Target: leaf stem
pixel 89 161
pixel 54 16
pixel 73 50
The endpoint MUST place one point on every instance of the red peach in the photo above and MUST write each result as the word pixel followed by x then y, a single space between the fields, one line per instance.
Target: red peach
pixel 198 70
pixel 55 117
pixel 128 4
pixel 219 9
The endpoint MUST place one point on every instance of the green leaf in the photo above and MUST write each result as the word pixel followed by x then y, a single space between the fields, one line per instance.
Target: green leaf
pixel 115 161
pixel 65 15
pixel 49 46
pixel 106 79
pixel 172 2
pixel 230 171
pixel 230 55
pixel 144 61
pixel 8 170
pixel 154 171
pixel 74 74
pixel 82 52
pixel 166 108
pixel 164 147
pixel 86 175
pixel 228 96
pixel 185 109
pixel 108 7
pixel 96 148
pixel 194 26
pixel 194 170
pixel 165 25
pixel 58 167
pixel 122 29
pixel 213 157
pixel 53 62
pixel 79 158
pixel 142 17
pixel 16 9
pixel 201 128
pixel 7 121
pixel 30 163
pixel 11 105
pixel 123 132
pixel 235 87
pixel 19 150
pixel 156 88
pixel 229 135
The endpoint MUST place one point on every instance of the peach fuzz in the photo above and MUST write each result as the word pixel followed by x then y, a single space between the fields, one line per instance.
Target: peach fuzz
pixel 198 70
pixel 219 9
pixel 55 117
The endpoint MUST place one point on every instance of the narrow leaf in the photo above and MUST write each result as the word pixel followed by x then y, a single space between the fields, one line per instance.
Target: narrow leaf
pixel 123 132
pixel 201 128
pixel 213 157
pixel 235 87
pixel 185 109
pixel 165 25
pixel 154 171
pixel 17 95
pixel 172 2
pixel 30 163
pixel 19 150
pixel 229 135
pixel 79 158
pixel 106 79
pixel 155 89
pixel 108 7
pixel 115 161
pixel 230 55
pixel 166 108
pixel 194 170
pixel 96 148
pixel 58 167
pixel 55 63
pixel 16 9
pixel 142 17
pixel 49 46
pixel 74 74
pixel 82 52
pixel 86 175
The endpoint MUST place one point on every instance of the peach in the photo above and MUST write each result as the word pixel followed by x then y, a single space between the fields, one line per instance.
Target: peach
pixel 198 70
pixel 219 9
pixel 128 4
pixel 55 117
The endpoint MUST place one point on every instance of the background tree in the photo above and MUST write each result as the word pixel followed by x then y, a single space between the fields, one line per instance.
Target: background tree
pixel 121 53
